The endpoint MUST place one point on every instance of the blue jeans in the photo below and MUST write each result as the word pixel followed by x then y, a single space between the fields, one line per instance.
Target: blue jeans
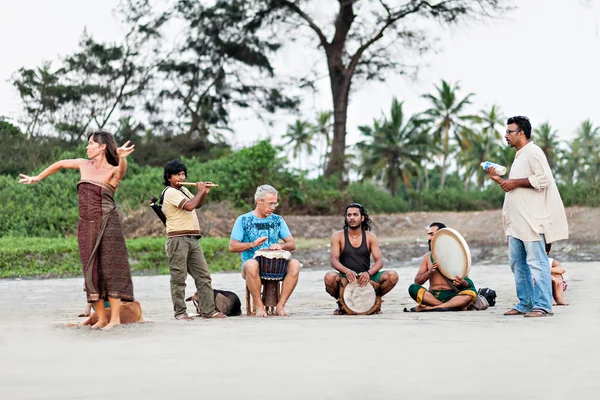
pixel 527 260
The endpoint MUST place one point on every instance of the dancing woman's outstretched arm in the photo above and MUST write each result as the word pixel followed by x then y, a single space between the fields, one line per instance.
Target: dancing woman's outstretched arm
pixel 52 169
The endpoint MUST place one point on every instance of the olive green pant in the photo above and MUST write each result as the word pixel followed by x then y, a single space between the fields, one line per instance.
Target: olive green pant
pixel 186 256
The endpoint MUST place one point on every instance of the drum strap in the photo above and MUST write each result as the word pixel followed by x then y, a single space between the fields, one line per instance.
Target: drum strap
pixel 444 276
pixel 450 283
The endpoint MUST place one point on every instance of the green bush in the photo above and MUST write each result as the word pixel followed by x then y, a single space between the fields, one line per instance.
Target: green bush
pixel 376 200
pixel 580 194
pixel 456 199
pixel 56 257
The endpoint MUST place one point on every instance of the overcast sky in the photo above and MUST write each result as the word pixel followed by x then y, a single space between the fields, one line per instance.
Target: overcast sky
pixel 542 60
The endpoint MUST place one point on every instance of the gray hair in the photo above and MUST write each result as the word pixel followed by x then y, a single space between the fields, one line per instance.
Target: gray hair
pixel 263 190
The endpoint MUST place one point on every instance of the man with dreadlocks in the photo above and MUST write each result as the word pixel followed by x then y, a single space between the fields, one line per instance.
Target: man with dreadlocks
pixel 351 250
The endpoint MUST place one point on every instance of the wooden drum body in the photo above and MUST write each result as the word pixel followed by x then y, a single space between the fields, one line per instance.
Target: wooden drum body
pixel 451 252
pixel 273 267
pixel 357 300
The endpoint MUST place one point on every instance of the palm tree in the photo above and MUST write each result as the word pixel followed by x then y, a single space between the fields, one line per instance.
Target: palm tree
pixel 491 120
pixel 393 148
pixel 300 134
pixel 323 129
pixel 547 139
pixel 480 146
pixel 588 141
pixel 571 164
pixel 446 115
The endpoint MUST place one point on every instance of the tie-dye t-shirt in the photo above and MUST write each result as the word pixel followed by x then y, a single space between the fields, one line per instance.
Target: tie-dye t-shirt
pixel 249 227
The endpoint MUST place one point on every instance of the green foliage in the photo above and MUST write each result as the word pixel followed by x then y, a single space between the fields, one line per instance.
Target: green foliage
pixel 580 194
pixel 20 155
pixel 36 257
pixel 455 199
pixel 376 200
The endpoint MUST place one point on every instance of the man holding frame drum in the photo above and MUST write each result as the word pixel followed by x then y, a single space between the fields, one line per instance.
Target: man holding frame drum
pixel 262 229
pixel 351 251
pixel 440 296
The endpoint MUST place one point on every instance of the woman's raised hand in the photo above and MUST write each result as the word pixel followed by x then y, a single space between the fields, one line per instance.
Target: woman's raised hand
pixel 125 150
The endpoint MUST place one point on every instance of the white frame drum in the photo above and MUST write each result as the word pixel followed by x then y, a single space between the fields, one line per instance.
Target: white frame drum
pixel 451 251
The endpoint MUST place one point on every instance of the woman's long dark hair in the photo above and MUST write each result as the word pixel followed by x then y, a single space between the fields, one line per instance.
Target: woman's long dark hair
pixel 104 137
pixel 366 223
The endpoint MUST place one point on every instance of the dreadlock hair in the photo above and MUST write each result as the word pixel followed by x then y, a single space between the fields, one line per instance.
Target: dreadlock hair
pixel 366 223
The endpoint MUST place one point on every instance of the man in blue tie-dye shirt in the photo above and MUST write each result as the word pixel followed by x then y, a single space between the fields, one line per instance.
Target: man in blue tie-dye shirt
pixel 262 229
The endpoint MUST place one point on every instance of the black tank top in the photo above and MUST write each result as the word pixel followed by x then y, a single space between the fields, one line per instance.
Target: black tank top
pixel 358 259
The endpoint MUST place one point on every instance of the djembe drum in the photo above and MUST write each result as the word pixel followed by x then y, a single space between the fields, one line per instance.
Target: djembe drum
pixel 450 249
pixel 273 266
pixel 359 300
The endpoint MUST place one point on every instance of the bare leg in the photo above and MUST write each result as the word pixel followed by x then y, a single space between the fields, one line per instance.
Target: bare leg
pixel 332 284
pixel 457 302
pixel 388 280
pixel 289 283
pixel 557 290
pixel 87 311
pixel 101 313
pixel 250 273
pixel 115 313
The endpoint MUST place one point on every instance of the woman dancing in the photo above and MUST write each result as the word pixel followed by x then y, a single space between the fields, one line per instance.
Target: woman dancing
pixel 101 244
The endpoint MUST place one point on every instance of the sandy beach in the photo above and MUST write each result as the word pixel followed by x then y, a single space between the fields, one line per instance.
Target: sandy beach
pixel 309 355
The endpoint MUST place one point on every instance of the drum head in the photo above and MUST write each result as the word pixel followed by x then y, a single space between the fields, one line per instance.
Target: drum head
pixel 359 299
pixel 273 254
pixel 452 253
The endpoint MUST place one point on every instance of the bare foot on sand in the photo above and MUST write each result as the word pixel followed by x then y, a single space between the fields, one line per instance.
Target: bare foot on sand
pixel 281 312
pixel 110 326
pixel 260 312
pixel 561 303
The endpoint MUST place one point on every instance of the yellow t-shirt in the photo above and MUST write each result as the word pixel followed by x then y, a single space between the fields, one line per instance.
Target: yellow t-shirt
pixel 179 221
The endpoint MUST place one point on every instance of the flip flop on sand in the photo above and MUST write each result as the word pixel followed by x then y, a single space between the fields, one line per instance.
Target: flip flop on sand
pixel 217 314
pixel 536 312
pixel 513 311
pixel 184 317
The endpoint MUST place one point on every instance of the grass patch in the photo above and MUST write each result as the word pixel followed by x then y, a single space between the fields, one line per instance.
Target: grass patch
pixel 59 257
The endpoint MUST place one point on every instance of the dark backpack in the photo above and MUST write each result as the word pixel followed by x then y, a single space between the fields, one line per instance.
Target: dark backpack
pixel 489 294
pixel 157 207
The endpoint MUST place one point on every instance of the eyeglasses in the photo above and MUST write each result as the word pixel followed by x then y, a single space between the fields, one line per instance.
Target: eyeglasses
pixel 509 131
pixel 270 205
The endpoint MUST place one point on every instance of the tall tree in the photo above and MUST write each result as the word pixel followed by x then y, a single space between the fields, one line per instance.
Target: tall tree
pixel 216 64
pixel 392 149
pixel 447 116
pixel 547 138
pixel 300 135
pixel 323 128
pixel 361 40
pixel 588 141
pixel 39 90
pixel 93 83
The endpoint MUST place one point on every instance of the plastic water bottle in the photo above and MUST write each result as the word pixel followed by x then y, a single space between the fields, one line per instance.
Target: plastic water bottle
pixel 500 170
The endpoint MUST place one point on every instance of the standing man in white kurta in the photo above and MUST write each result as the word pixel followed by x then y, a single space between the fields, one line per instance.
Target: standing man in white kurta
pixel 533 215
